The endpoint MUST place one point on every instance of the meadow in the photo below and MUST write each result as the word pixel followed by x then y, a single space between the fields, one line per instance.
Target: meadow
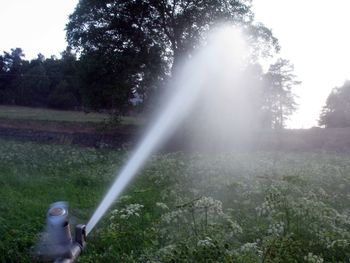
pixel 233 207
pixel 59 116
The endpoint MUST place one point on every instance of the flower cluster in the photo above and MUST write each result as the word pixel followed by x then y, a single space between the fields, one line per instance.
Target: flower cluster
pixel 127 212
pixel 249 247
pixel 266 208
pixel 276 229
pixel 206 242
pixel 311 258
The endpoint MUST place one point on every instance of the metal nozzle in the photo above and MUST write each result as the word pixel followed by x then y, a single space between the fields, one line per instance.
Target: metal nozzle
pixel 80 235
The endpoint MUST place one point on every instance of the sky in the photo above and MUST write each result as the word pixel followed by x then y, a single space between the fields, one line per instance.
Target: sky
pixel 36 26
pixel 314 35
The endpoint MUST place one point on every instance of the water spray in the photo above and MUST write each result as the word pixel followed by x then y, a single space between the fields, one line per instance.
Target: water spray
pixel 213 64
pixel 56 243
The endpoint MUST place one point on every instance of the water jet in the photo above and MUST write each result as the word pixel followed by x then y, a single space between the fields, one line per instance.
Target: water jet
pixel 218 63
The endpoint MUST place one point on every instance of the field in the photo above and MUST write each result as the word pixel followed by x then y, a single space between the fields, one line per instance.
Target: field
pixel 237 207
pixel 27 113
pixel 37 117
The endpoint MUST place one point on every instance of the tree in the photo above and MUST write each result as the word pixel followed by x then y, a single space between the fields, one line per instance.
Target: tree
pixel 65 84
pixel 106 84
pixel 11 73
pixel 336 112
pixel 62 97
pixel 3 78
pixel 128 35
pixel 40 82
pixel 279 101
pixel 33 85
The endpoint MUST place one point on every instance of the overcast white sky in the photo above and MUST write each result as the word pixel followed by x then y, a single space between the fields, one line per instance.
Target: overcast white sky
pixel 36 26
pixel 314 36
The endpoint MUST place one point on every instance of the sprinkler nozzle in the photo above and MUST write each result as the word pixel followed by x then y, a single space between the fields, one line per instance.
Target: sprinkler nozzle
pixel 80 235
pixel 56 243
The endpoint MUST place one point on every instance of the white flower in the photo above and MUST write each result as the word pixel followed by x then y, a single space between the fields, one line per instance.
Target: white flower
pixel 162 205
pixel 311 258
pixel 207 242
pixel 127 212
pixel 249 247
pixel 276 229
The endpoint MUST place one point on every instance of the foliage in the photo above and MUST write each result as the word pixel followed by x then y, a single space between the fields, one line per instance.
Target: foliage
pixel 142 41
pixel 129 49
pixel 106 83
pixel 68 83
pixel 40 82
pixel 238 207
pixel 11 68
pixel 42 114
pixel 61 97
pixel 336 112
pixel 33 176
pixel 279 101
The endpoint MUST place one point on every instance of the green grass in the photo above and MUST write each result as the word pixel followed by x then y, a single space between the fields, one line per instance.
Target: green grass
pixel 33 176
pixel 40 114
pixel 238 207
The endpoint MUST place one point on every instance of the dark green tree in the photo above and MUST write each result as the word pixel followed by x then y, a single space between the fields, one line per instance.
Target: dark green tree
pixel 39 82
pixel 336 112
pixel 68 87
pixel 3 79
pixel 279 100
pixel 62 97
pixel 106 84
pixel 142 41
pixel 12 70
pixel 33 85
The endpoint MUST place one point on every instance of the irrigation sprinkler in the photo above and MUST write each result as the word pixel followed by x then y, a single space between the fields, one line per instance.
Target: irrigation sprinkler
pixel 57 244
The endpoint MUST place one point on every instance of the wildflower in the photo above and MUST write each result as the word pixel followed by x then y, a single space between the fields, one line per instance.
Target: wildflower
pixel 249 247
pixel 214 206
pixel 127 212
pixel 276 229
pixel 162 206
pixel 207 242
pixel 234 226
pixel 311 258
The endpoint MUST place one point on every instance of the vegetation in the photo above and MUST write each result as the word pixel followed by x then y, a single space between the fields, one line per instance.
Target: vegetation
pixel 42 114
pixel 69 119
pixel 156 31
pixel 40 82
pixel 279 100
pixel 145 42
pixel 238 207
pixel 59 88
pixel 235 207
pixel 123 64
pixel 32 176
pixel 336 112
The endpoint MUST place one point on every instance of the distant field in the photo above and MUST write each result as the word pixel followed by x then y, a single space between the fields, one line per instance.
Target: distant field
pixel 40 114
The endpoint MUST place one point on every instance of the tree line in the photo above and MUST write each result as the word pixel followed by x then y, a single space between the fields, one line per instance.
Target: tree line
pixel 61 83
pixel 119 50
pixel 40 82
